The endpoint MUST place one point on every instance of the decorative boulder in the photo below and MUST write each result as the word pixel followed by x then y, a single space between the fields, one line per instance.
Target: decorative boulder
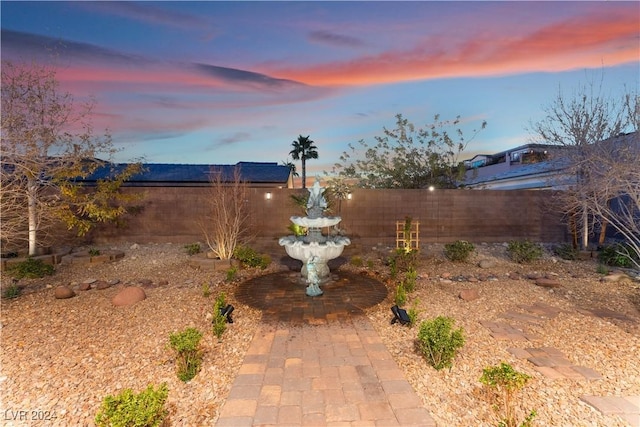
pixel 486 263
pixel 64 292
pixel 129 296
pixel 469 294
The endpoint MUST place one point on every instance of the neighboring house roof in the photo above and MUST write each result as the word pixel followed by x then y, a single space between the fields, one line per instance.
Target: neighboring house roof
pixel 265 173
pixel 540 175
pixel 544 174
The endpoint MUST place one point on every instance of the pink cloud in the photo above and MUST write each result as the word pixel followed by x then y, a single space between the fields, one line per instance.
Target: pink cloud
pixel 610 38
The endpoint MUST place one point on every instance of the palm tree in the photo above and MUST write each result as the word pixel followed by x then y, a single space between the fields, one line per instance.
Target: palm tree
pixel 292 169
pixel 303 149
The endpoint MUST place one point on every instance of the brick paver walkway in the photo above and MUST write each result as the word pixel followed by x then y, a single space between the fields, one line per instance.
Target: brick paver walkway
pixel 627 408
pixel 551 363
pixel 317 361
pixel 337 374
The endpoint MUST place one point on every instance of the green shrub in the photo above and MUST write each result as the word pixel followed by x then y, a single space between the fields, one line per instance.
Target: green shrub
pixel 11 292
pixel 524 251
pixel 370 264
pixel 458 251
pixel 410 278
pixel 618 255
pixel 413 313
pixel 506 382
pixel 232 274
pixel 401 261
pixel 189 357
pixel 219 322
pixel 206 289
pixel 248 257
pixel 601 269
pixel 566 251
pixel 94 252
pixel 31 268
pixel 401 295
pixel 128 409
pixel 297 230
pixel 193 248
pixel 356 261
pixel 438 343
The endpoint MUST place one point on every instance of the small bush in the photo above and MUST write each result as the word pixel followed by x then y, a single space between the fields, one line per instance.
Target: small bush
pixel 232 274
pixel 219 322
pixel 413 313
pixel 356 261
pixel 410 278
pixel 206 289
pixel 187 346
pixel 506 382
pixel 193 248
pixel 248 257
pixel 94 252
pixel 618 255
pixel 297 230
pixel 601 269
pixel 401 295
pixel 438 343
pixel 31 268
pixel 524 251
pixel 11 292
pixel 128 409
pixel 458 251
pixel 566 251
pixel 401 261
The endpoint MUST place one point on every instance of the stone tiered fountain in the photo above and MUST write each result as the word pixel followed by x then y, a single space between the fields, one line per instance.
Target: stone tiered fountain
pixel 315 246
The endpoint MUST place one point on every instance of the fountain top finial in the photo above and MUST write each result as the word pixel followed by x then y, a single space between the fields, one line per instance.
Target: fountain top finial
pixel 316 204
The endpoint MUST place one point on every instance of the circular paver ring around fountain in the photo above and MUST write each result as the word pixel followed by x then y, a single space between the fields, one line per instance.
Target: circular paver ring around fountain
pixel 281 297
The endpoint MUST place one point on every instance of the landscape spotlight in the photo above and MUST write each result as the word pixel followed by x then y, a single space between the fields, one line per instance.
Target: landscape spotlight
pixel 349 196
pixel 226 312
pixel 268 195
pixel 400 315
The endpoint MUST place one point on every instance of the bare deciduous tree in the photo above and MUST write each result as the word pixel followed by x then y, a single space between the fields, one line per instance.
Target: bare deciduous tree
pixel 613 191
pixel 577 121
pixel 227 220
pixel 47 144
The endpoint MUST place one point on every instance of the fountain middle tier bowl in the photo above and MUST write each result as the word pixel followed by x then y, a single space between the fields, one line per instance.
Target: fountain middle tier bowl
pixel 303 251
pixel 325 221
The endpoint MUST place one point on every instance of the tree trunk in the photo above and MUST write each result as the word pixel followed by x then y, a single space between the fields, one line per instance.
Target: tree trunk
pixel 304 173
pixel 32 214
pixel 585 228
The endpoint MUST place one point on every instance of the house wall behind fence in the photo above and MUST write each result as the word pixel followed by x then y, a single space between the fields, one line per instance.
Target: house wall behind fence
pixel 173 214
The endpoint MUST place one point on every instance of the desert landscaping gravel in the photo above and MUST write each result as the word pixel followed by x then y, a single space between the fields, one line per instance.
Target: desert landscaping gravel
pixel 61 357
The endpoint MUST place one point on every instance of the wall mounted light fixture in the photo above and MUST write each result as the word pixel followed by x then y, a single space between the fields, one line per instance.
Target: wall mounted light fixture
pixel 268 195
pixel 349 196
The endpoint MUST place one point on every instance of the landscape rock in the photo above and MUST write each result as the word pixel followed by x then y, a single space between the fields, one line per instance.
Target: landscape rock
pixel 84 286
pixel 548 283
pixel 64 292
pixel 101 285
pixel 615 277
pixel 486 263
pixel 469 294
pixel 145 282
pixel 163 282
pixel 129 296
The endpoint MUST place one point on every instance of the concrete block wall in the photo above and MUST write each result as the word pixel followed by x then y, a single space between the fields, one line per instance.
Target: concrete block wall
pixel 174 214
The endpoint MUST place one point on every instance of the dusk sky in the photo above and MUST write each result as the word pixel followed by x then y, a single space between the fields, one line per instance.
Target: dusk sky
pixel 222 82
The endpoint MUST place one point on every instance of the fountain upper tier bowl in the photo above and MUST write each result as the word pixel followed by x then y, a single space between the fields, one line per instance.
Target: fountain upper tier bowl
pixel 325 221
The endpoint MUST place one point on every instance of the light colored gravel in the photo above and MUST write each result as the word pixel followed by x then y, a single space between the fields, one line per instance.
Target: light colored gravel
pixel 65 356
